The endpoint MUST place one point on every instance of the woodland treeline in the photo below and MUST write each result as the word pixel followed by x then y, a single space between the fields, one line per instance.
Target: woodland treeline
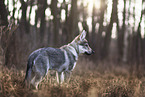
pixel 57 22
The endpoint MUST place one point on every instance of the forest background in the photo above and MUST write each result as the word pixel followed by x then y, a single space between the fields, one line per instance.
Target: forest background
pixel 115 31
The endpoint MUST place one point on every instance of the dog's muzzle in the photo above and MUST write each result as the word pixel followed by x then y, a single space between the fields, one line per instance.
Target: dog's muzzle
pixel 89 53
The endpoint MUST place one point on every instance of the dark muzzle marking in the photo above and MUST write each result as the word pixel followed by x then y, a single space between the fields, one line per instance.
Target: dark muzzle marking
pixel 90 53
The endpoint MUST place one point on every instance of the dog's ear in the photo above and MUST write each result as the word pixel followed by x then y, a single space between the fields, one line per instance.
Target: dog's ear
pixel 82 35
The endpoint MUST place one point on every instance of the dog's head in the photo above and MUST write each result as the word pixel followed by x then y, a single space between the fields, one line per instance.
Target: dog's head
pixel 82 44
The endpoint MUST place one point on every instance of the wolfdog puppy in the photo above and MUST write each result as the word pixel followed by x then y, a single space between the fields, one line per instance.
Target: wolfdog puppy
pixel 62 60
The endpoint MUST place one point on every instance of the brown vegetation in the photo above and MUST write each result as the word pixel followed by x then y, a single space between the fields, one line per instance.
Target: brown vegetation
pixel 88 80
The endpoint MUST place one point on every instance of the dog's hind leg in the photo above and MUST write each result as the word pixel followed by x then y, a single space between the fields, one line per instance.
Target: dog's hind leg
pixel 30 75
pixel 60 77
pixel 36 80
pixel 40 70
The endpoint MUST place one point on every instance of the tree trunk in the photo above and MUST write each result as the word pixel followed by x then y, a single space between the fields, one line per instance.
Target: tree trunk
pixel 31 2
pixel 99 39
pixel 3 14
pixel 43 22
pixel 54 12
pixel 139 45
pixel 72 22
pixel 132 44
pixel 107 39
pixel 65 29
pixel 93 23
pixel 121 35
pixel 9 45
pixel 14 10
pixel 24 23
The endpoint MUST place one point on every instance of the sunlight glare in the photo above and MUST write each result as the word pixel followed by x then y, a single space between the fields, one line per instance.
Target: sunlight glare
pixel 11 5
pixel 28 10
pixel 89 22
pixel 60 1
pixel 19 14
pixel 114 31
pixel 32 20
pixel 142 27
pixel 80 26
pixel 48 12
pixel 18 5
pixel 58 5
pixel 89 4
pixel 48 2
pixel 16 14
pixel 63 15
pixel 108 13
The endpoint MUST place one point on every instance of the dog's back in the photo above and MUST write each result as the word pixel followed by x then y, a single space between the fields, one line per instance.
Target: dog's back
pixel 43 59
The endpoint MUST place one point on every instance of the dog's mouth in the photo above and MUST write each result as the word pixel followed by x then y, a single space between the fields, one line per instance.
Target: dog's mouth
pixel 89 53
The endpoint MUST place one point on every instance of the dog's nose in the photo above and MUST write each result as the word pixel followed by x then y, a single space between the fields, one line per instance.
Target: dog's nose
pixel 93 52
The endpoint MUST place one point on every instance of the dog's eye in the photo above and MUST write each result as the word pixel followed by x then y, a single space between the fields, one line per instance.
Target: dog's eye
pixel 86 44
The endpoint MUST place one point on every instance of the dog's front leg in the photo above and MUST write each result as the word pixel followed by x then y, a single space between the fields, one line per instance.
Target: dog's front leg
pixel 60 77
pixel 67 76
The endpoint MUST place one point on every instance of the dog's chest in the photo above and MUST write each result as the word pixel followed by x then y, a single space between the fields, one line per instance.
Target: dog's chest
pixel 68 67
pixel 69 63
pixel 72 61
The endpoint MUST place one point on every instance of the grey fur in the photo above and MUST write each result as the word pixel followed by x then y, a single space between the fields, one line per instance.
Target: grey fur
pixel 61 59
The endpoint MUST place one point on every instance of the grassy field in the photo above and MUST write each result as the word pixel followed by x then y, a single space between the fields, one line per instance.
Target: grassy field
pixel 88 80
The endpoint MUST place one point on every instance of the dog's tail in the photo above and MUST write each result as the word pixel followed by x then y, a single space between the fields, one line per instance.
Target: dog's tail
pixel 24 81
pixel 27 70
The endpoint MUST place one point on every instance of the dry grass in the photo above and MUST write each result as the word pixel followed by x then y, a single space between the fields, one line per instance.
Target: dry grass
pixel 87 80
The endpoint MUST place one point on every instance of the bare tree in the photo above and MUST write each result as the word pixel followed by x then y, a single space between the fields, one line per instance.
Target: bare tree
pixel 107 39
pixel 24 23
pixel 3 13
pixel 121 34
pixel 72 20
pixel 43 5
pixel 99 39
pixel 54 12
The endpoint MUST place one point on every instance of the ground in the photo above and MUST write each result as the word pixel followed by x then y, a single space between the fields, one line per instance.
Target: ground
pixel 89 79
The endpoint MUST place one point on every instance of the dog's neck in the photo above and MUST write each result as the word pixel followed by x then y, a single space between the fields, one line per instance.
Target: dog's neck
pixel 73 49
